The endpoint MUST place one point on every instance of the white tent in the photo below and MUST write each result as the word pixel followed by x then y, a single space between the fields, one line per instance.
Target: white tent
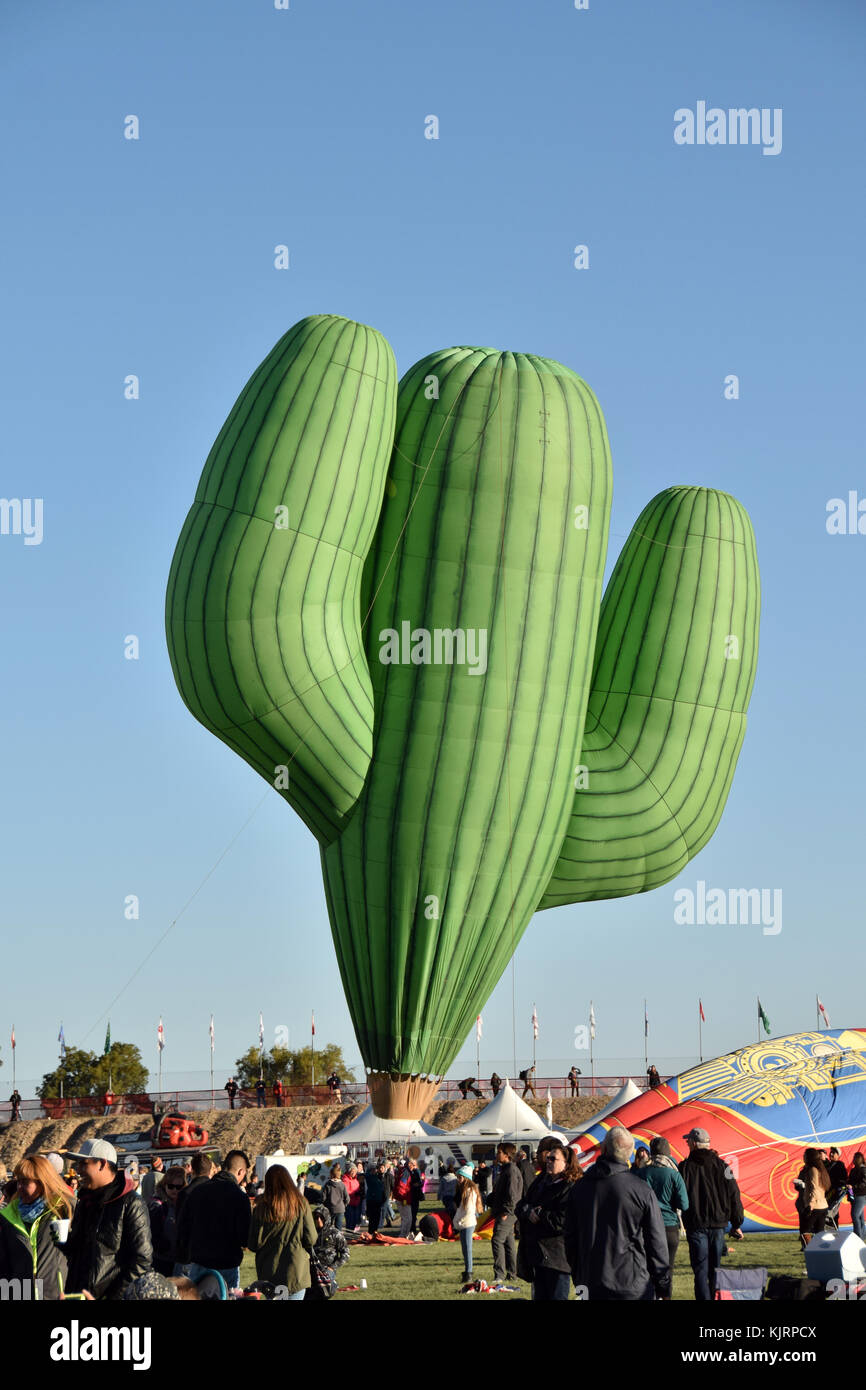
pixel 506 1117
pixel 627 1093
pixel 370 1131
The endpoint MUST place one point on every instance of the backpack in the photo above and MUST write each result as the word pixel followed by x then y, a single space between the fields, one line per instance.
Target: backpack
pixel 403 1185
pixel 523 1075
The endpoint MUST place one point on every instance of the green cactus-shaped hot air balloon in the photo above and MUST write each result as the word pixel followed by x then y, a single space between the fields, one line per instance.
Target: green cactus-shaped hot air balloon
pixel 389 602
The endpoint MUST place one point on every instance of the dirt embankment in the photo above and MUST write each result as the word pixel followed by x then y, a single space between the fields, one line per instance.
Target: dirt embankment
pixel 254 1131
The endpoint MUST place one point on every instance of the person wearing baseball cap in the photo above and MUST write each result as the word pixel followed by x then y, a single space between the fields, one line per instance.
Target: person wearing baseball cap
pixel 714 1203
pixel 663 1177
pixel 109 1242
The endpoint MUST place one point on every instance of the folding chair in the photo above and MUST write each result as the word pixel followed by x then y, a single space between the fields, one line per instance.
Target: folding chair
pixel 741 1285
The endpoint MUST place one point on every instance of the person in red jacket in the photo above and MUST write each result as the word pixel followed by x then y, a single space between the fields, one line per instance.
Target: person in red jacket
pixel 108 1101
pixel 278 1092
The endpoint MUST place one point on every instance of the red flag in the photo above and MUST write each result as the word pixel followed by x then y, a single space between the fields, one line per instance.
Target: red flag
pixel 313 1028
pixel 703 1015
pixel 823 1013
pixel 13 1037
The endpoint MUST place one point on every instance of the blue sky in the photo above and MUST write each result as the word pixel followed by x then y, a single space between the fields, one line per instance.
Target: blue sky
pixel 155 257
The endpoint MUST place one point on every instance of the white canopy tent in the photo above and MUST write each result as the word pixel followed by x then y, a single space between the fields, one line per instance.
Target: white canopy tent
pixel 372 1132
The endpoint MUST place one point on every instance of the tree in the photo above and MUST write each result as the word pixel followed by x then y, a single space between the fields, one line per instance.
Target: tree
pixel 293 1068
pixel 86 1074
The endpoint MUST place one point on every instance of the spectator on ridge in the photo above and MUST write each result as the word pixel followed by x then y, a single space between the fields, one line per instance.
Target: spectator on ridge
pixel 573 1080
pixel 261 1094
pixel 231 1090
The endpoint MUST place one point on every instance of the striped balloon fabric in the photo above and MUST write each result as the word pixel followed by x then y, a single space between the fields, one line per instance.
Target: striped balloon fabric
pixel 389 602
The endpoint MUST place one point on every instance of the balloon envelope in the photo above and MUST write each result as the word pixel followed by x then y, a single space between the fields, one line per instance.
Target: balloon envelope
pixel 761 1106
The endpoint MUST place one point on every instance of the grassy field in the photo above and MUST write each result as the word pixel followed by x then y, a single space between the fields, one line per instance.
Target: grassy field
pixel 433 1271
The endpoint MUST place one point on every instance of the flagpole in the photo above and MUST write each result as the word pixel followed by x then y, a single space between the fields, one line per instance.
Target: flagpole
pixel 817 1015
pixel 159 1051
pixel 313 1048
pixel 645 1038
pixel 700 1034
pixel 477 1053
pixel 13 1056
pixel 534 1032
pixel 591 1038
pixel 212 1102
pixel 759 1020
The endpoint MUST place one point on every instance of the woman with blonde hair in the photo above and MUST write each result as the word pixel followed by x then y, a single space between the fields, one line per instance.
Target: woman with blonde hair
pixel 283 1234
pixel 469 1208
pixel 27 1252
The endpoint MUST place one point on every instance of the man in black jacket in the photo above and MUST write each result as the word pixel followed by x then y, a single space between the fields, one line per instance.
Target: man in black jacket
pixel 714 1201
pixel 614 1233
pixel 214 1223
pixel 109 1242
pixel 507 1192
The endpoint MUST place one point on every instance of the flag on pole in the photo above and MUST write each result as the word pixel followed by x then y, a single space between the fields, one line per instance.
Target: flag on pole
pixel 210 1030
pixel 823 1012
pixel 534 1022
pixel 591 1020
pixel 261 1032
pixel 548 1110
pixel 313 1024
pixel 763 1018
pixel 13 1037
pixel 62 1041
pixel 107 1047
pixel 160 1036
pixel 645 1022
pixel 703 1015
pixel 478 1029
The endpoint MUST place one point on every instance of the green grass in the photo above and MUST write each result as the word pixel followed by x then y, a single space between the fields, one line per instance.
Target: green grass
pixel 398 1272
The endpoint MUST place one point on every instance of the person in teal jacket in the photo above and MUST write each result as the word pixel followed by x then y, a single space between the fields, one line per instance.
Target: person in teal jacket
pixel 27 1252
pixel 663 1177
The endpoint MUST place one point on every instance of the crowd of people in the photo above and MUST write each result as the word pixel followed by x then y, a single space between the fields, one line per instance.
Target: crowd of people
pixel 98 1231
pixel 180 1227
